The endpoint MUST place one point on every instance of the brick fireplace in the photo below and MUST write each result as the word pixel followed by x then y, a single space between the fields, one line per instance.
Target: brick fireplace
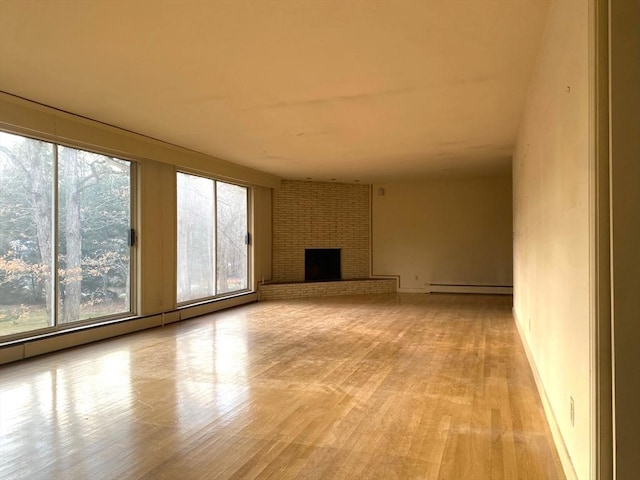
pixel 321 215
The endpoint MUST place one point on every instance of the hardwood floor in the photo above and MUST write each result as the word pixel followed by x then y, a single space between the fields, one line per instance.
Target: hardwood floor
pixel 382 386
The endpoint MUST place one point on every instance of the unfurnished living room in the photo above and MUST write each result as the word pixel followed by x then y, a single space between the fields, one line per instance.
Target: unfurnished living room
pixel 296 239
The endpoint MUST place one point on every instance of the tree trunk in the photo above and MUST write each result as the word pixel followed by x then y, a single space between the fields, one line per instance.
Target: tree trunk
pixel 72 235
pixel 41 200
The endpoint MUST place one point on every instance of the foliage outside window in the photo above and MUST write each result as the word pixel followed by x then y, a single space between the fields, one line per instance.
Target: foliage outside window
pixel 212 238
pixel 65 218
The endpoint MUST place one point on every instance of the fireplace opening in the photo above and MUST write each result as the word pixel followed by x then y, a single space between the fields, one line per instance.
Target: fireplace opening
pixel 322 264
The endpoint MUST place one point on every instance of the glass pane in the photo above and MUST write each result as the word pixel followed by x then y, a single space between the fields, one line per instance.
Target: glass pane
pixel 196 237
pixel 94 218
pixel 232 233
pixel 26 232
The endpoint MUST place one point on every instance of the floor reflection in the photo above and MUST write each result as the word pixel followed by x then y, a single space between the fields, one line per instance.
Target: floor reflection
pixel 65 408
pixel 231 361
pixel 216 361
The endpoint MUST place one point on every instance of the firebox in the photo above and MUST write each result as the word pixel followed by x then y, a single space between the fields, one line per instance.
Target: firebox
pixel 322 264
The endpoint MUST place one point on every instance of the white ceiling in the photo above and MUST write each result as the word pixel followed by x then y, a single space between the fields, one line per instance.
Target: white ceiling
pixel 352 90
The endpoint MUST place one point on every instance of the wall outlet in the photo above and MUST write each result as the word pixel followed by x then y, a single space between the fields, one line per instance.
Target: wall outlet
pixel 572 412
pixel 529 323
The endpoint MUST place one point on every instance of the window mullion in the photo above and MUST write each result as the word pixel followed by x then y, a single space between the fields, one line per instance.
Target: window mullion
pixel 249 246
pixel 55 293
pixel 133 249
pixel 215 238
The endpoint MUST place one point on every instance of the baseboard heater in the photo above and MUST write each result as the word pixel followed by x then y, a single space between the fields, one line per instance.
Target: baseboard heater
pixel 487 289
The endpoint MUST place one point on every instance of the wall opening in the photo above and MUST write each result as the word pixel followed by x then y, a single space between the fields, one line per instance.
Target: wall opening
pixel 322 264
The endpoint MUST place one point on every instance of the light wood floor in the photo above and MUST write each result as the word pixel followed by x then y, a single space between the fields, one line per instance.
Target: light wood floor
pixel 387 386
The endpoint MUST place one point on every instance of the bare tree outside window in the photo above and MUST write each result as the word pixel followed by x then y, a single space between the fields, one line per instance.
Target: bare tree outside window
pixel 196 237
pixel 93 227
pixel 93 214
pixel 26 233
pixel 212 234
pixel 232 237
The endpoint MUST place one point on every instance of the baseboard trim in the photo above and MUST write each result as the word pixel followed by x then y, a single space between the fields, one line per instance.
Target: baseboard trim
pixel 558 440
pixel 485 289
pixel 413 290
pixel 211 307
pixel 31 347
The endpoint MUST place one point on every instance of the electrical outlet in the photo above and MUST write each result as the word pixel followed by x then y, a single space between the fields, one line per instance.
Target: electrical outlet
pixel 572 412
pixel 529 323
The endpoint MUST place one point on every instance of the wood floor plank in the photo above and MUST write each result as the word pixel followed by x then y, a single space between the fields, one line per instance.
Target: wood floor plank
pixel 405 386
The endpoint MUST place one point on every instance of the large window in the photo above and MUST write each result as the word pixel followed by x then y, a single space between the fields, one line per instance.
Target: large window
pixel 65 223
pixel 212 238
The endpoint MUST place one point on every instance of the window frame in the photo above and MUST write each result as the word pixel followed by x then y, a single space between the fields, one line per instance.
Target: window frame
pixel 132 312
pixel 249 246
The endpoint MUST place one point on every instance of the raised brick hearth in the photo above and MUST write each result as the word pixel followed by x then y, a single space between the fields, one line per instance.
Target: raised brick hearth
pixel 280 291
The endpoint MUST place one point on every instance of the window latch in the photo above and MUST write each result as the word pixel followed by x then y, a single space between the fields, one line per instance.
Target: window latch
pixel 131 238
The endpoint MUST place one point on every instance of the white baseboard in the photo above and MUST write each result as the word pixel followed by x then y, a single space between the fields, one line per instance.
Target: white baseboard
pixel 485 289
pixel 413 290
pixel 441 288
pixel 563 453
pixel 211 307
pixel 31 347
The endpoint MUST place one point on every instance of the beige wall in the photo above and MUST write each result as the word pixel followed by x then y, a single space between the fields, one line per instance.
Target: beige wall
pixel 552 230
pixel 449 231
pixel 262 235
pixel 320 215
pixel 156 238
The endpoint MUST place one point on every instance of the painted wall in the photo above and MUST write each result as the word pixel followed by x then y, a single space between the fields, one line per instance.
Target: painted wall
pixel 551 225
pixel 262 235
pixel 450 231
